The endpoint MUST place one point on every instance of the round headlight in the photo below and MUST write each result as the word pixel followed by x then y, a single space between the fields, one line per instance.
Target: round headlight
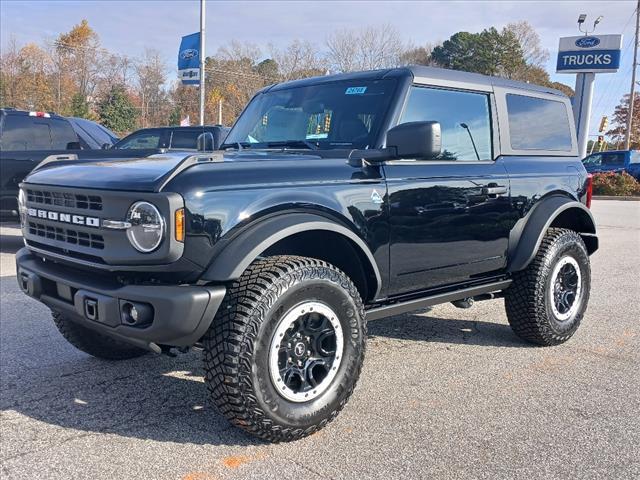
pixel 147 227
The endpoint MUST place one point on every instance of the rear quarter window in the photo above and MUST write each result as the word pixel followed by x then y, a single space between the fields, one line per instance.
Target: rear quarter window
pixel 22 132
pixel 538 124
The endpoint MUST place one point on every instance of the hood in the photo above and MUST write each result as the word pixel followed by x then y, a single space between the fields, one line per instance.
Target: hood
pixel 135 174
pixel 146 174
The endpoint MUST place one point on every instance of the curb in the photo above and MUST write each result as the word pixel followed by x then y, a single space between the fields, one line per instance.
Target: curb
pixel 613 197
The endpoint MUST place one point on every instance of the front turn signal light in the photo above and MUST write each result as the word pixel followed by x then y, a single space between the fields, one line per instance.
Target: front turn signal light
pixel 180 225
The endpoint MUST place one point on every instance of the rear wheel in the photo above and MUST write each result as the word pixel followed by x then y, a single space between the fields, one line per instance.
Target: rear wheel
pixel 285 350
pixel 546 302
pixel 93 343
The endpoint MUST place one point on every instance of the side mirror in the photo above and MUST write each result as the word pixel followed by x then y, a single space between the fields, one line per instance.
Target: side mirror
pixel 74 146
pixel 416 140
pixel 106 146
pixel 205 142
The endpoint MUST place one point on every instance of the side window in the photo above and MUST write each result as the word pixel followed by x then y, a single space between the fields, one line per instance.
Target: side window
pixel 21 132
pixel 593 160
pixel 463 116
pixel 635 156
pixel 613 159
pixel 61 134
pixel 141 140
pixel 185 139
pixel 538 124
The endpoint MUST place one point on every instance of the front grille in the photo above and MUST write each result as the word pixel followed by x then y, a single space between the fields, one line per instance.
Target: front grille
pixel 65 199
pixel 67 235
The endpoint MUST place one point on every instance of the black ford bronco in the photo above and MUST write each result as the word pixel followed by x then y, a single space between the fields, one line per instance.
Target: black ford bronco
pixel 334 200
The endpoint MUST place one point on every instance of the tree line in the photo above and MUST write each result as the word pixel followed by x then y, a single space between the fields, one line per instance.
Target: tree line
pixel 74 76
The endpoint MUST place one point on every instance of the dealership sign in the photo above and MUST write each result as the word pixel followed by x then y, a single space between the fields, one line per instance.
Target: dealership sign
pixel 592 53
pixel 189 59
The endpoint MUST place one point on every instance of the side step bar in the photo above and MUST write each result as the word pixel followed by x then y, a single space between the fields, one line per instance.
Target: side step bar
pixel 418 303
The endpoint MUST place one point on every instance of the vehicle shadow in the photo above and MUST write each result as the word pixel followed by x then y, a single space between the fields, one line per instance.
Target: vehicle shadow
pixel 152 397
pixel 428 328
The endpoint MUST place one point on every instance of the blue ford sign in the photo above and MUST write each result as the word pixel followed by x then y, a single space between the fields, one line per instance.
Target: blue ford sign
pixel 189 59
pixel 589 54
pixel 587 42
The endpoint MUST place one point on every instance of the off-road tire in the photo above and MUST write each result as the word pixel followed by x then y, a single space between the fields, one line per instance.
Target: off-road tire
pixel 93 343
pixel 528 299
pixel 237 345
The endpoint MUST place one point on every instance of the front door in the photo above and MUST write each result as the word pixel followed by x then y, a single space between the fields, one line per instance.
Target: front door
pixel 449 218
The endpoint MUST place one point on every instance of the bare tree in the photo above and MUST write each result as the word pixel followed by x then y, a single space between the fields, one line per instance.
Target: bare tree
pixel 365 49
pixel 413 55
pixel 533 52
pixel 298 60
pixel 151 77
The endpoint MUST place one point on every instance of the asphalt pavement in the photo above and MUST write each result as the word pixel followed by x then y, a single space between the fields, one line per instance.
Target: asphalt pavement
pixel 448 393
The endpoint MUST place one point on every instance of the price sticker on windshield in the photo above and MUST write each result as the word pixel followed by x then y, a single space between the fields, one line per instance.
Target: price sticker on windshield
pixel 355 90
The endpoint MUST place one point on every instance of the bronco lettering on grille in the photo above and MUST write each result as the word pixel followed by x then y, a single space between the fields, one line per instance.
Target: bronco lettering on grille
pixel 64 217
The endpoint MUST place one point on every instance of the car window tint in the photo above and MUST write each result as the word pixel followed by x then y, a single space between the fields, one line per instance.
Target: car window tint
pixel 141 140
pixel 538 124
pixel 62 133
pixel 185 139
pixel 613 159
pixel 593 160
pixel 463 116
pixel 21 132
pixel 98 134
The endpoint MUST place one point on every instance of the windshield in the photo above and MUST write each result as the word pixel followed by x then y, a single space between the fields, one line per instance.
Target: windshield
pixel 346 114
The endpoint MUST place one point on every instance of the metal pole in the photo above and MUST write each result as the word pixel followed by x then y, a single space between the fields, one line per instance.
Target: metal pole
pixel 202 58
pixel 219 111
pixel 582 109
pixel 632 94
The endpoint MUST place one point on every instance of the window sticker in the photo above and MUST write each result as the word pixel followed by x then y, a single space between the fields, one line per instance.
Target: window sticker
pixel 355 90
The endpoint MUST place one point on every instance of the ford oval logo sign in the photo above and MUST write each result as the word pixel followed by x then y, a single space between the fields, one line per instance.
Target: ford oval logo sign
pixel 192 53
pixel 587 42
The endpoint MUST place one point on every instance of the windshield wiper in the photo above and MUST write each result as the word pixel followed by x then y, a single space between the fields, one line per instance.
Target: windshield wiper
pixel 294 144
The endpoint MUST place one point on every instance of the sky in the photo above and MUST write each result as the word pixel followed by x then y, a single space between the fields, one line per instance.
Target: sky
pixel 128 27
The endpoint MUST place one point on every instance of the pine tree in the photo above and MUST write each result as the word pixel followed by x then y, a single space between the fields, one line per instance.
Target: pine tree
pixel 117 111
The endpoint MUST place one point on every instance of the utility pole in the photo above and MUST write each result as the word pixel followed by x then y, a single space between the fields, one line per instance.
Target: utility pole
pixel 202 58
pixel 632 93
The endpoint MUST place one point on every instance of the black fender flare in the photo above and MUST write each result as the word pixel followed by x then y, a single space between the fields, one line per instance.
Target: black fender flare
pixel 237 255
pixel 527 235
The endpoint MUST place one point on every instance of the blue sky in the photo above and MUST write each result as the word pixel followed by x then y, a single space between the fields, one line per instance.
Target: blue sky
pixel 131 26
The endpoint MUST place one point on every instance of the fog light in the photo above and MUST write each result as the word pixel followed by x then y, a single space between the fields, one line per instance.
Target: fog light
pixel 136 314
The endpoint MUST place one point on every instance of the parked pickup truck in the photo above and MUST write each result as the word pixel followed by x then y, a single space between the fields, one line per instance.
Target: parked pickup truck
pixel 27 138
pixel 337 200
pixel 614 161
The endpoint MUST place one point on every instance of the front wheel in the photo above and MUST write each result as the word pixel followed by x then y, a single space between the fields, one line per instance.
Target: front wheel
pixel 285 350
pixel 546 302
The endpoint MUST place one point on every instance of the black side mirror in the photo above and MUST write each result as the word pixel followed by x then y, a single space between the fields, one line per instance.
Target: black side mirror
pixel 205 142
pixel 74 146
pixel 416 140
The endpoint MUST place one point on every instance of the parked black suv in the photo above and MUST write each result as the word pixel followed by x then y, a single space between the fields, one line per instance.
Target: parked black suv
pixel 27 138
pixel 172 138
pixel 337 200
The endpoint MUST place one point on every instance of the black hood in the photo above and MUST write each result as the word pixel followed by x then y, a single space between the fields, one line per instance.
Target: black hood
pixel 136 174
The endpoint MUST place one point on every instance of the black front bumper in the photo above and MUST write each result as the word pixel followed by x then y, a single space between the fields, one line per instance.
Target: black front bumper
pixel 178 315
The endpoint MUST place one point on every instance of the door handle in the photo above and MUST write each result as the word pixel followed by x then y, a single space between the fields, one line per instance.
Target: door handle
pixel 494 190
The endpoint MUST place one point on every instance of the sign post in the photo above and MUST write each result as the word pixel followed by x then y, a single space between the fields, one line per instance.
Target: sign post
pixel 586 56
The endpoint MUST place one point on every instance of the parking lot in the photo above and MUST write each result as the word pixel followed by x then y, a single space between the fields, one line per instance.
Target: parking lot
pixel 448 393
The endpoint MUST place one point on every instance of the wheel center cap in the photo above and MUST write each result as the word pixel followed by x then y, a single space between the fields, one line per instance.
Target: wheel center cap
pixel 299 349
